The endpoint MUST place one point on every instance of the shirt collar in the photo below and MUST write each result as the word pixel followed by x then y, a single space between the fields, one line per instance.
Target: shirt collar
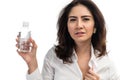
pixel 93 60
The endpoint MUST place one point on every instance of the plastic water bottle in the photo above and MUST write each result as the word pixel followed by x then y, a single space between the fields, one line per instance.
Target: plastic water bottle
pixel 24 35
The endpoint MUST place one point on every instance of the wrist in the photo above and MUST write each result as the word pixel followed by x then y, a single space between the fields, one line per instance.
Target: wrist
pixel 32 66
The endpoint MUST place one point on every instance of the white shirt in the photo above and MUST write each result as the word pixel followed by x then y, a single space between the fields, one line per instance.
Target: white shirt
pixel 54 69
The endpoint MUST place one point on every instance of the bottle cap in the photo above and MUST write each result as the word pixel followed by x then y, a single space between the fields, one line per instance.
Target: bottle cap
pixel 25 24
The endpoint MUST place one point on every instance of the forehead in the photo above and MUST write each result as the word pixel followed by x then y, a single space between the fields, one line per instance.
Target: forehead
pixel 79 10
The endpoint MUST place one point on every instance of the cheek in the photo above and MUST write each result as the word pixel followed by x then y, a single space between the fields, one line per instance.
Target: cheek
pixel 90 30
pixel 71 31
pixel 70 28
pixel 90 27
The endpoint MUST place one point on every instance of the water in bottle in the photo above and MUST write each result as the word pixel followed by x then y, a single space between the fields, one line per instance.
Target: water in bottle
pixel 24 35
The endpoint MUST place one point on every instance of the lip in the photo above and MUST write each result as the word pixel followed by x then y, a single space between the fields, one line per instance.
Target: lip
pixel 79 34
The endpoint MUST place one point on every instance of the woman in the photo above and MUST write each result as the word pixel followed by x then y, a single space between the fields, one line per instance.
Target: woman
pixel 81 51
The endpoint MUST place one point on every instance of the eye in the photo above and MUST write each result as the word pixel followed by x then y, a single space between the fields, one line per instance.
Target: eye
pixel 86 19
pixel 72 19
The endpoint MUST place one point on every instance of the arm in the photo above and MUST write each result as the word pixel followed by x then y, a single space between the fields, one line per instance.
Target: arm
pixel 31 61
pixel 114 74
pixel 47 71
pixel 29 57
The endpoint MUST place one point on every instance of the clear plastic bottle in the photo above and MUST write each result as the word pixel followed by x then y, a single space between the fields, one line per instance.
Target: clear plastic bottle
pixel 24 35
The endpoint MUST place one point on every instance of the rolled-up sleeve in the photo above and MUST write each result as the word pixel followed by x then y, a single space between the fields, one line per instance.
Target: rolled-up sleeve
pixel 47 72
pixel 34 75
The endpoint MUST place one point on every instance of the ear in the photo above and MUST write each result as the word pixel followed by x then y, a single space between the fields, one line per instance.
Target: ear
pixel 94 31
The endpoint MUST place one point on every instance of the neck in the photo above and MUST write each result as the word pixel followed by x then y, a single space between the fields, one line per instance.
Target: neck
pixel 82 49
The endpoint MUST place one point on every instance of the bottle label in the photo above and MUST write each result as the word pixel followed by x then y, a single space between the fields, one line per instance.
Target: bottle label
pixel 24 43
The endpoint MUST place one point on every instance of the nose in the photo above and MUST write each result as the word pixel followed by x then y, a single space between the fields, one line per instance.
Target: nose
pixel 80 24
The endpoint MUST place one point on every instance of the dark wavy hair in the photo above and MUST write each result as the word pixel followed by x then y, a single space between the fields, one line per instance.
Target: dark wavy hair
pixel 64 49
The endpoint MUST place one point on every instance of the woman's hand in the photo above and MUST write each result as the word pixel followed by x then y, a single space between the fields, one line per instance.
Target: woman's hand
pixel 29 57
pixel 91 75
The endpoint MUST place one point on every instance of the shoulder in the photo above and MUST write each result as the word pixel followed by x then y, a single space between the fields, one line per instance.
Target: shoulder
pixel 105 62
pixel 106 68
pixel 51 53
pixel 104 59
pixel 52 57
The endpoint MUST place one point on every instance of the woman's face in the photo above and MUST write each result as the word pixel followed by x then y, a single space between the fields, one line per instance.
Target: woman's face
pixel 80 24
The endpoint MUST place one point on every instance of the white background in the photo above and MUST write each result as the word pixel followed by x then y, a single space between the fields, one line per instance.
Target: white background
pixel 42 16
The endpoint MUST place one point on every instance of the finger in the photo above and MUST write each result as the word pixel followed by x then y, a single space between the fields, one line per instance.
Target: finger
pixel 90 78
pixel 92 75
pixel 18 52
pixel 87 78
pixel 17 46
pixel 17 39
pixel 21 53
pixel 34 45
pixel 19 34
pixel 92 72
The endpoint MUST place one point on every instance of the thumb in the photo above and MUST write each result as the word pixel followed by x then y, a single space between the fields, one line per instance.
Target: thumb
pixel 34 45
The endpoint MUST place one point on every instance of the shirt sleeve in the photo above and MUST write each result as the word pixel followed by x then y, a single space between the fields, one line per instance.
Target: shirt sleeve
pixel 46 74
pixel 34 75
pixel 47 69
pixel 114 74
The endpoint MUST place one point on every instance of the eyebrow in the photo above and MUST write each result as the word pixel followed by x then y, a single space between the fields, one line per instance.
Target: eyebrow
pixel 81 16
pixel 86 16
pixel 72 17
